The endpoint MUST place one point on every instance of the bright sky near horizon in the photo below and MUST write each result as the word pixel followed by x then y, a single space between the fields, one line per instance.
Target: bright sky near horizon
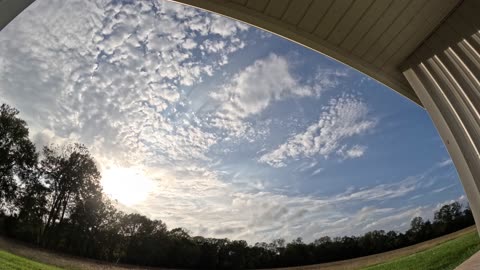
pixel 221 128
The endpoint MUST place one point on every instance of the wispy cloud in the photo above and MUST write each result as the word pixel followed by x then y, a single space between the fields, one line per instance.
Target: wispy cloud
pixel 438 190
pixel 317 171
pixel 380 192
pixel 355 151
pixel 445 163
pixel 343 118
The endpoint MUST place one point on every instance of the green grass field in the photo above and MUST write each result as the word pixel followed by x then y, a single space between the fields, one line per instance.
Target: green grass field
pixel 445 256
pixel 9 261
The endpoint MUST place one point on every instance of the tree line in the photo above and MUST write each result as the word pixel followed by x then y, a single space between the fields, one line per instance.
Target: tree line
pixel 53 199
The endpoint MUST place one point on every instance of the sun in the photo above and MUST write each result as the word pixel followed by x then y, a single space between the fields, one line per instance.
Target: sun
pixel 129 186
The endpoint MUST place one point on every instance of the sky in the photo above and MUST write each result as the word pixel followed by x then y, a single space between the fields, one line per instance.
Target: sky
pixel 220 128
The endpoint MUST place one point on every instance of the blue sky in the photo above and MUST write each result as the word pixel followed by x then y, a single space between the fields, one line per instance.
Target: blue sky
pixel 221 128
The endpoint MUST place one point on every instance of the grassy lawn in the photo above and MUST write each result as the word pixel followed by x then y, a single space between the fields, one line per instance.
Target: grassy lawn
pixel 9 261
pixel 445 256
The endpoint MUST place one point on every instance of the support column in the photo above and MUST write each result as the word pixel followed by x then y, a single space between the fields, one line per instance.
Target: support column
pixel 445 74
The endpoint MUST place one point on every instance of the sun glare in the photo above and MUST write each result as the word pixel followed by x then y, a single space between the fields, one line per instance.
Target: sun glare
pixel 128 186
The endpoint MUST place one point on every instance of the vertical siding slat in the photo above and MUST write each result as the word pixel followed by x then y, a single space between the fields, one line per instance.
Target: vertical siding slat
pixel 399 24
pixel 314 15
pixel 276 8
pixel 366 23
pixel 380 27
pixel 333 16
pixel 258 5
pixel 296 10
pixel 240 2
pixel 408 46
pixel 349 21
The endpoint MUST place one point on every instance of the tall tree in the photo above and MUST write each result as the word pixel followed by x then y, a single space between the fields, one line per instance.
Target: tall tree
pixel 70 174
pixel 88 217
pixel 31 204
pixel 448 213
pixel 138 231
pixel 18 157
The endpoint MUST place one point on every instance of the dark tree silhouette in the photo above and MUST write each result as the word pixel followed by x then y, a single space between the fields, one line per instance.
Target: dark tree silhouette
pixel 18 157
pixel 72 178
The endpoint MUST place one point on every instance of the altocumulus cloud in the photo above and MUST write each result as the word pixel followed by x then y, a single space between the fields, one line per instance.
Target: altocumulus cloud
pixel 117 73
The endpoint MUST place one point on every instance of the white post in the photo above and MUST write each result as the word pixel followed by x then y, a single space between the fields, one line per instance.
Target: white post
pixel 445 74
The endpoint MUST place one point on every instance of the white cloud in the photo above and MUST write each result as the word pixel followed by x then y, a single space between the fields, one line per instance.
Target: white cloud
pixel 380 192
pixel 307 166
pixel 317 171
pixel 355 151
pixel 343 118
pixel 326 79
pixel 397 219
pixel 446 162
pixel 438 190
pixel 253 89
pixel 462 200
pixel 225 27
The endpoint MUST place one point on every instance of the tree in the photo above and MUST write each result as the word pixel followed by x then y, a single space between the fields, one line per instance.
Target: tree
pixel 234 255
pixel 70 174
pixel 416 225
pixel 138 231
pixel 18 157
pixel 88 218
pixel 109 242
pixel 448 213
pixel 467 217
pixel 419 230
pixel 31 204
pixel 445 218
